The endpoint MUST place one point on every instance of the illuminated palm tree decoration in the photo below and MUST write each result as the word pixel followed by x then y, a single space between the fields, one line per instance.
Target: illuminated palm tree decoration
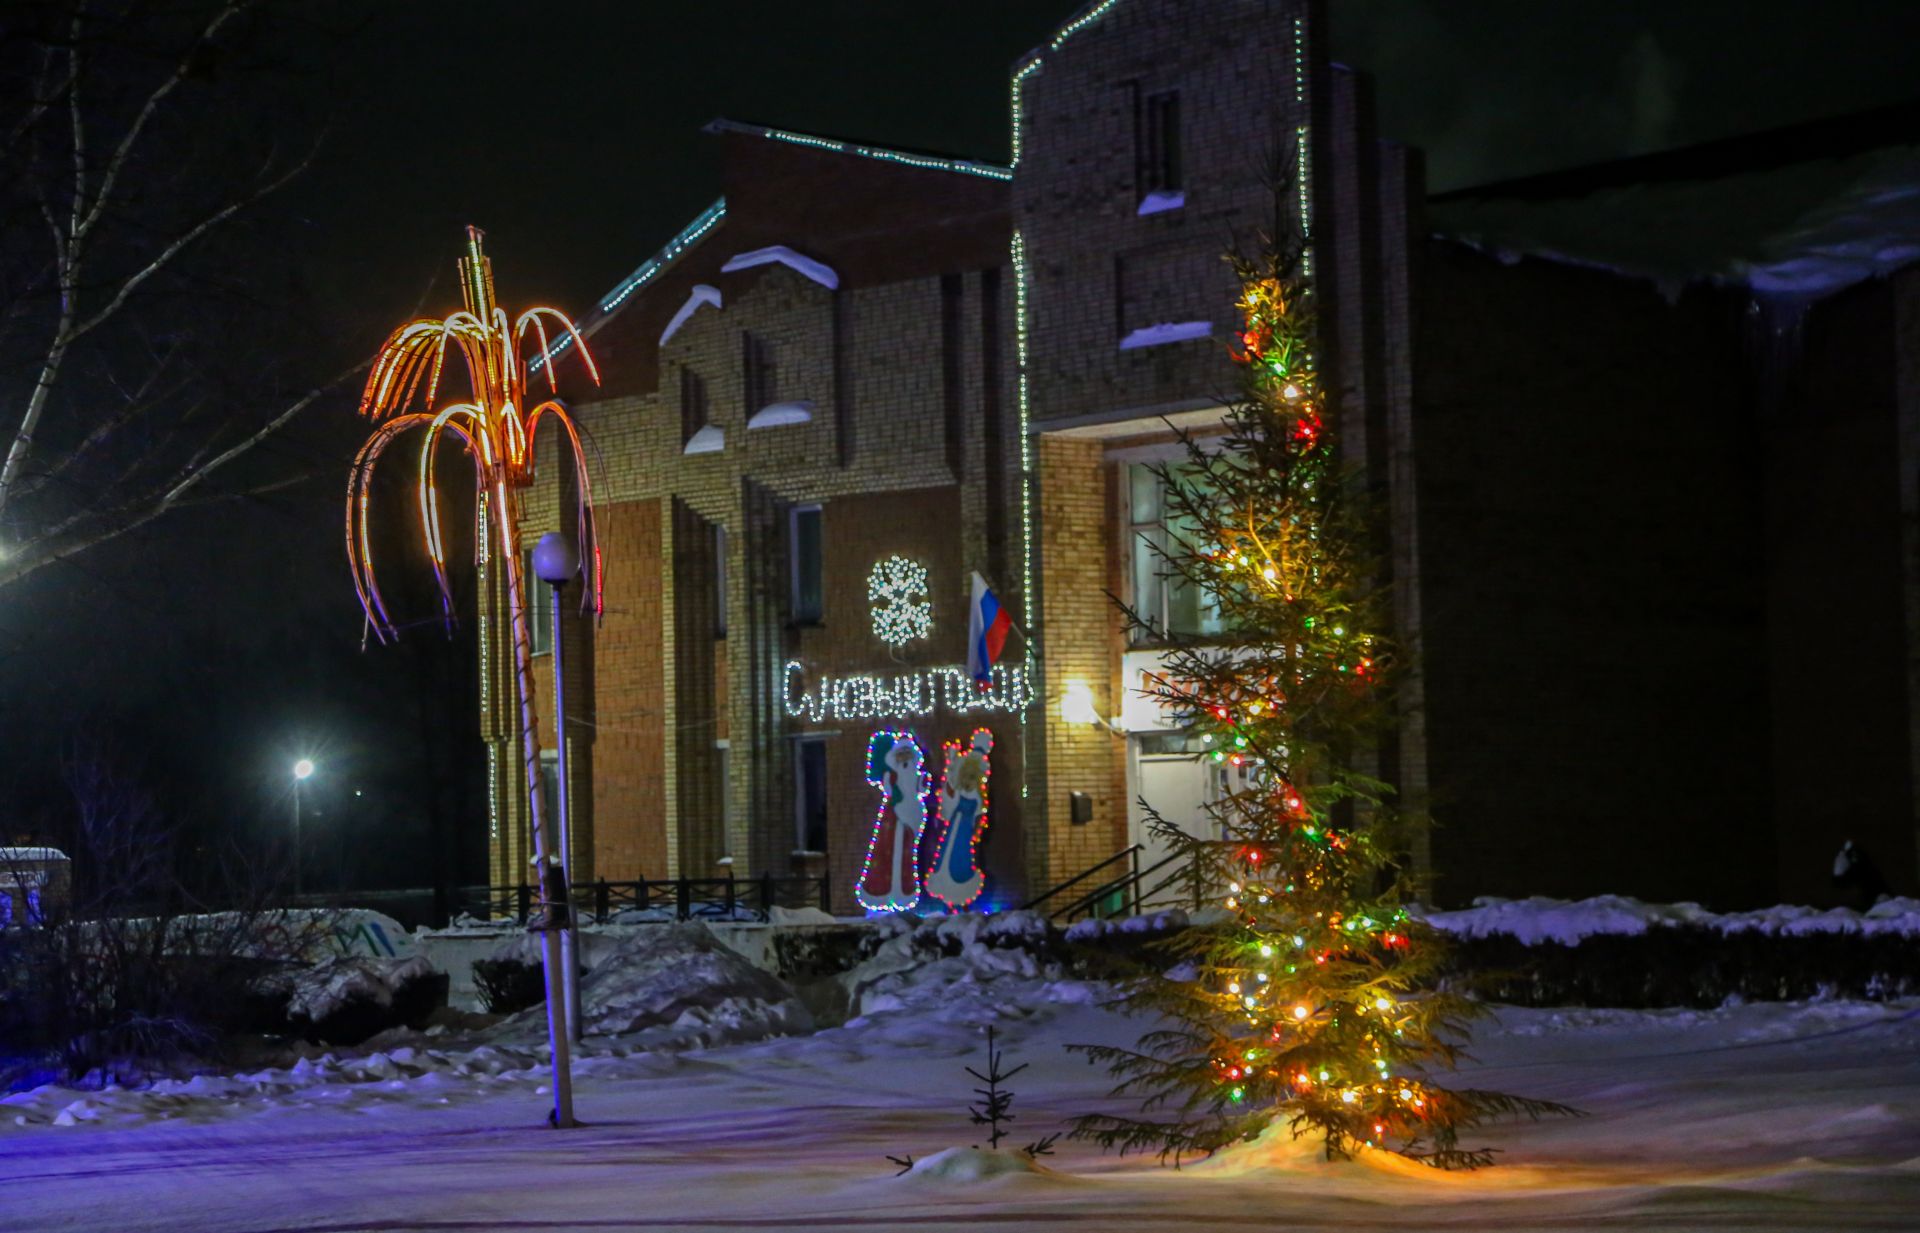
pixel 499 433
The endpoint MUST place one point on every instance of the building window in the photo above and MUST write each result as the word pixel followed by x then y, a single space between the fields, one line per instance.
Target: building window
pixel 1169 603
pixel 693 404
pixel 539 607
pixel 1156 143
pixel 806 597
pixel 719 581
pixel 757 371
pixel 810 794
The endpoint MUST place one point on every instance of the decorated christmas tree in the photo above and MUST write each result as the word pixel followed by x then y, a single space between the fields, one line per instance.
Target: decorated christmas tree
pixel 1313 1000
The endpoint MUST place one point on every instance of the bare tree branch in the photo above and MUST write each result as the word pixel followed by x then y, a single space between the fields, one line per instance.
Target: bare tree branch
pixel 124 217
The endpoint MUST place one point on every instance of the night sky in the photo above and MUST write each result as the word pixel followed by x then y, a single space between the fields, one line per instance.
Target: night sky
pixel 215 647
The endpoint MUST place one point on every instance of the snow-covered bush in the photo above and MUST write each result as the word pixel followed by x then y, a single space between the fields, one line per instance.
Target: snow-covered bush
pixel 508 984
pixel 345 1001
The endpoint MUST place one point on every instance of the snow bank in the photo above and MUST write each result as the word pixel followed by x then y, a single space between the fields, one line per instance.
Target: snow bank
pixel 975 1164
pixel 1541 919
pixel 677 985
pixel 964 969
pixel 1090 930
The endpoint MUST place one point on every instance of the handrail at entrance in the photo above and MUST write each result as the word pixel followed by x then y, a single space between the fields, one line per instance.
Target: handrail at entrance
pixel 1083 875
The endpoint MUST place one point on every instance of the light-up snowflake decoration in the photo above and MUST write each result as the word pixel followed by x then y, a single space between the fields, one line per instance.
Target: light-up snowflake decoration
pixel 897 589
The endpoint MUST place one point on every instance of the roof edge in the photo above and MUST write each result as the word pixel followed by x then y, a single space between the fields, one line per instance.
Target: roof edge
pixel 887 154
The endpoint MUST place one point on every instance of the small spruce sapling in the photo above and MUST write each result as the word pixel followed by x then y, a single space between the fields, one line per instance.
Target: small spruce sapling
pixel 993 1110
pixel 995 1103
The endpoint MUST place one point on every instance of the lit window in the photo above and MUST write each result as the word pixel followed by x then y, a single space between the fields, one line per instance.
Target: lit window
pixel 1164 600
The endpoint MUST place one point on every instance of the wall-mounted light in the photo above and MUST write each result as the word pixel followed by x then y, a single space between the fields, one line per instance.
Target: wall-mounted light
pixel 1076 707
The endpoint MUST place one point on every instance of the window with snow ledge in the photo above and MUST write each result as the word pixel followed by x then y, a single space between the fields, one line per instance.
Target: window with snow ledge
pixel 1166 332
pixel 709 440
pixel 1159 174
pixel 781 414
pixel 1161 200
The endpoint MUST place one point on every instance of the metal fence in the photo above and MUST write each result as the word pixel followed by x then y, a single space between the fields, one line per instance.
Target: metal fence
pixel 643 901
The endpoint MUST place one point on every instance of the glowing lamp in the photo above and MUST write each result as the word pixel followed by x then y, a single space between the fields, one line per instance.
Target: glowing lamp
pixel 303 769
pixel 1076 704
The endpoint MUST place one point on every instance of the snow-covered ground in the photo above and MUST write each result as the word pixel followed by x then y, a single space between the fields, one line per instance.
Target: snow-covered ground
pixel 1753 1117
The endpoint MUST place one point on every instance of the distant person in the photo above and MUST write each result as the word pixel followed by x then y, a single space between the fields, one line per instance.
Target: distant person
pixel 1857 878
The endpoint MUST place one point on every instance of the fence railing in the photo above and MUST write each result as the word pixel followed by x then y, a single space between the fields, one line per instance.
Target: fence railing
pixel 646 901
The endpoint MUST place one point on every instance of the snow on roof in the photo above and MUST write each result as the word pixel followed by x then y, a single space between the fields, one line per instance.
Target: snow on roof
pixel 702 294
pixel 31 854
pixel 1807 227
pixel 782 255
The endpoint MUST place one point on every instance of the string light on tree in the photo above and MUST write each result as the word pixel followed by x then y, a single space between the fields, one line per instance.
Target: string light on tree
pixel 1314 1003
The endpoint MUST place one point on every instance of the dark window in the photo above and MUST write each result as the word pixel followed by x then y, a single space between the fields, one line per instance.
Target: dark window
pixel 539 607
pixel 803 551
pixel 757 371
pixel 693 404
pixel 719 581
pixel 810 796
pixel 1156 141
pixel 952 380
pixel 550 791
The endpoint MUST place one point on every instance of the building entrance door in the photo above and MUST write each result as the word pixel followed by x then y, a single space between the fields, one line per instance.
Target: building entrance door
pixel 1179 787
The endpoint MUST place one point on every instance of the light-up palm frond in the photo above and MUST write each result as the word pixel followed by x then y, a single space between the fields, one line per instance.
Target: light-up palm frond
pixel 494 423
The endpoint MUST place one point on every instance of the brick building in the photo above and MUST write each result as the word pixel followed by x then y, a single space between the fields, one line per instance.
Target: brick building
pixel 862 359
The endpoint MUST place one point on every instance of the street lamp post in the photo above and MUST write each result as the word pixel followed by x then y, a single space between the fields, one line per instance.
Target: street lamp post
pixel 556 562
pixel 302 771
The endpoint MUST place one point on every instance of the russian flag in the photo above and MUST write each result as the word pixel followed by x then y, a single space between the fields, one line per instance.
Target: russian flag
pixel 987 627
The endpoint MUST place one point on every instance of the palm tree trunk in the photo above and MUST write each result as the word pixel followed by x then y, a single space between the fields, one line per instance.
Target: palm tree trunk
pixel 509 511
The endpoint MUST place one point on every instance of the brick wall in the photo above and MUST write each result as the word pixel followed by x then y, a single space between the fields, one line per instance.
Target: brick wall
pixel 1100 270
pixel 1079 574
pixel 891 414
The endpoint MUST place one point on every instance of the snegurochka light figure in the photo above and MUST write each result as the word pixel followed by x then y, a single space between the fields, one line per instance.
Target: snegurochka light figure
pixel 499 429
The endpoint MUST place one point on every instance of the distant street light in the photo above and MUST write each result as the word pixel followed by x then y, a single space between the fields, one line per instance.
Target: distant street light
pixel 556 563
pixel 302 771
